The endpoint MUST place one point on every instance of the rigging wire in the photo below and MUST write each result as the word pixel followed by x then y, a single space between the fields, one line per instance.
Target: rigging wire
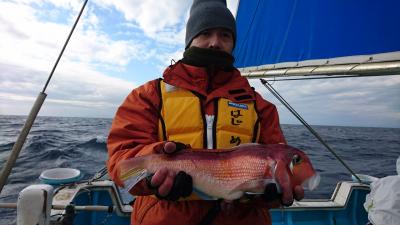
pixel 293 111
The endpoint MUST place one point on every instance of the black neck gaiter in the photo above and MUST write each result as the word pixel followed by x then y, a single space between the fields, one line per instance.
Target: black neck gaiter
pixel 209 58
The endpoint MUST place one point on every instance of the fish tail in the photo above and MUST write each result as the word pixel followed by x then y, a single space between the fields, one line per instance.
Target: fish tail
pixel 131 171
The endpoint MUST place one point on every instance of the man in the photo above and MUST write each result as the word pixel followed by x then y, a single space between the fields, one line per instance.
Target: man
pixel 202 102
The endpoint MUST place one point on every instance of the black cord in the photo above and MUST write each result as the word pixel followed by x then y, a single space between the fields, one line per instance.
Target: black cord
pixel 291 109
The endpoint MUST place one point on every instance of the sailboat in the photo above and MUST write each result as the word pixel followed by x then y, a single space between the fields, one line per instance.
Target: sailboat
pixel 277 39
pixel 291 39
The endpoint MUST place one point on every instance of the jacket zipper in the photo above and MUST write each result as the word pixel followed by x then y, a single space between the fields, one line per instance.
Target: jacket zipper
pixel 210 122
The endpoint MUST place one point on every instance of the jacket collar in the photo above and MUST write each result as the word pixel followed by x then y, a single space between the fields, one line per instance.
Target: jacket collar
pixel 210 84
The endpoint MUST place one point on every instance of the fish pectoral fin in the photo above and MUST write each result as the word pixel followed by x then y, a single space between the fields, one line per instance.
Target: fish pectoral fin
pixel 254 187
pixel 131 171
pixel 132 177
pixel 253 193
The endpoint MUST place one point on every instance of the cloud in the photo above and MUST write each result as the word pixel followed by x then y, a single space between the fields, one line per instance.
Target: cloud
pixel 74 85
pixel 91 78
pixel 30 46
pixel 169 58
pixel 87 45
pixel 90 46
pixel 152 16
pixel 362 101
pixel 163 21
pixel 232 6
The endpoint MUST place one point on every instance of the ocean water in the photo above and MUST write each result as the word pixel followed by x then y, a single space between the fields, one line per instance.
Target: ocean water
pixel 81 143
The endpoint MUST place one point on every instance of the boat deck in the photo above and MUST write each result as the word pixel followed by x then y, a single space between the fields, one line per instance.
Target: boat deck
pixel 344 207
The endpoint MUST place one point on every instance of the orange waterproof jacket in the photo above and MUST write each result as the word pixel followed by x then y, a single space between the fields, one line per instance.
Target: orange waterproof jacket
pixel 134 132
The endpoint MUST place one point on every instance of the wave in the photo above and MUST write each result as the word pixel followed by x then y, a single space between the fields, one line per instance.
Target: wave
pixel 6 147
pixel 81 143
pixel 97 143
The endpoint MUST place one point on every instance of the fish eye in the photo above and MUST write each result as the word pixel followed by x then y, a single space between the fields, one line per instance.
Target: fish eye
pixel 296 159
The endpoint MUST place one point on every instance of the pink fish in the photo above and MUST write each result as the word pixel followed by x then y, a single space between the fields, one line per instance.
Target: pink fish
pixel 228 174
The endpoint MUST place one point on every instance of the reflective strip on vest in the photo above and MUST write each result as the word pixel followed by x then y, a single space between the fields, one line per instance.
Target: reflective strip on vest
pixel 183 120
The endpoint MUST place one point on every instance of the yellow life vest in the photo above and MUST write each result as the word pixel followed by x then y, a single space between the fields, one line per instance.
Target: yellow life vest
pixel 183 120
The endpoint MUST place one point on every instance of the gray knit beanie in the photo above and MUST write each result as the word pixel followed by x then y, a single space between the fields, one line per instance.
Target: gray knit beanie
pixel 207 14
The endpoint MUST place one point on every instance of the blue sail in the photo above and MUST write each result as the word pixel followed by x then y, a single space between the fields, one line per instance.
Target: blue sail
pixel 276 31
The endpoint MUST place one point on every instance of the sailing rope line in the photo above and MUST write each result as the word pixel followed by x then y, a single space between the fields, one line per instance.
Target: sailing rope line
pixel 361 63
pixel 293 111
pixel 103 171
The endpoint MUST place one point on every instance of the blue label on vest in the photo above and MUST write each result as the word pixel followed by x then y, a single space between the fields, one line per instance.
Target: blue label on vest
pixel 238 105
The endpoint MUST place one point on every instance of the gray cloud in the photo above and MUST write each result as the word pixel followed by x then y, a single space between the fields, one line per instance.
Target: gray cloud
pixel 350 101
pixel 10 29
pixel 70 93
pixel 79 89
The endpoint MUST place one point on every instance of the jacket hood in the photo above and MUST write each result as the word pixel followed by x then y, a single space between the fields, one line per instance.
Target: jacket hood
pixel 210 84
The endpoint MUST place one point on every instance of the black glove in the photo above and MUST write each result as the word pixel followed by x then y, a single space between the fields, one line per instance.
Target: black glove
pixel 182 187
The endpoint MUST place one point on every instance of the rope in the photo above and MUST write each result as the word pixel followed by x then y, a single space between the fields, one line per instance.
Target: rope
pixel 103 171
pixel 291 109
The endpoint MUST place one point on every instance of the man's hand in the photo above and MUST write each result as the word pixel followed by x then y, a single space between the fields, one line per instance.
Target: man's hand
pixel 283 190
pixel 286 195
pixel 171 147
pixel 170 185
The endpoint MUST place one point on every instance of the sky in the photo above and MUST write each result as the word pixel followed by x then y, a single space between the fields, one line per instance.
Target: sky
pixel 120 44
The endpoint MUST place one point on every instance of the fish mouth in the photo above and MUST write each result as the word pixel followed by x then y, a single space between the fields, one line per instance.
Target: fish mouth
pixel 312 182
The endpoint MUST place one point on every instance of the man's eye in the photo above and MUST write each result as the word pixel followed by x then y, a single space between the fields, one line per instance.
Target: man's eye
pixel 227 34
pixel 205 33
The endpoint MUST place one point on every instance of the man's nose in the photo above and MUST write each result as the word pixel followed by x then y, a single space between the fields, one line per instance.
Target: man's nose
pixel 214 42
